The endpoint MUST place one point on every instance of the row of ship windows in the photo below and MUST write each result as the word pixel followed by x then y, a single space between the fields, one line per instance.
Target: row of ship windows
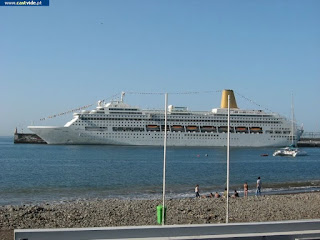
pixel 269 121
pixel 172 118
pixel 179 138
pixel 142 129
pixel 160 135
pixel 168 137
pixel 169 117
pixel 186 136
pixel 289 138
pixel 274 126
pixel 196 129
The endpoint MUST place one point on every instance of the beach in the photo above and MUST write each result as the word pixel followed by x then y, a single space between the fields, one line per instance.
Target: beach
pixel 115 212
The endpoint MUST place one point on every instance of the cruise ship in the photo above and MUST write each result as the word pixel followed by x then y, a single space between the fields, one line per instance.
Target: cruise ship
pixel 118 123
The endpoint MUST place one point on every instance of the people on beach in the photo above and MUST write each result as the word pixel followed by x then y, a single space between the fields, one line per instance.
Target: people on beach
pixel 225 193
pixel 259 184
pixel 196 190
pixel 235 194
pixel 207 196
pixel 211 195
pixel 245 189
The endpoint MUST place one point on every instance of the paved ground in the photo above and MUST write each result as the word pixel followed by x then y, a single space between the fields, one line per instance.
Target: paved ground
pixel 270 230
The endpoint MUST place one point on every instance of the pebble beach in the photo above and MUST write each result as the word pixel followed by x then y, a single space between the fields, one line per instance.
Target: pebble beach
pixel 115 212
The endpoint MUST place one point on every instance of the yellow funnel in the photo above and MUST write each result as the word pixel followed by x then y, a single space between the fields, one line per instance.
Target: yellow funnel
pixel 224 99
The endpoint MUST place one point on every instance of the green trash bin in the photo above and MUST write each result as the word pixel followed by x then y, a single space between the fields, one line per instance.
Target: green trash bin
pixel 159 214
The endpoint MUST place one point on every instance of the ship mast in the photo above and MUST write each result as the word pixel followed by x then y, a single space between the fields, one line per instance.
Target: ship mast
pixel 122 95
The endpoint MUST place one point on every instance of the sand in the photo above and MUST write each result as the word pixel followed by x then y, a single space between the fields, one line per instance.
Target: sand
pixel 114 212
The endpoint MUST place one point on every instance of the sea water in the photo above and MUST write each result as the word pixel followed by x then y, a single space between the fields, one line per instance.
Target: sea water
pixel 34 173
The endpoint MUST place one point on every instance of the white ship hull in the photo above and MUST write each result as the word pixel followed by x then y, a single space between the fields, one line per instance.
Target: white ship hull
pixel 65 135
pixel 117 123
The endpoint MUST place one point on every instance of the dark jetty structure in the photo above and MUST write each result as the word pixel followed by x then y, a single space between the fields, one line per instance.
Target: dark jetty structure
pixel 27 138
pixel 309 142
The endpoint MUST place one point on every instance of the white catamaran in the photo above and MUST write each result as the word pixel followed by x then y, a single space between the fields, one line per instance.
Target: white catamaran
pixel 292 150
pixel 117 123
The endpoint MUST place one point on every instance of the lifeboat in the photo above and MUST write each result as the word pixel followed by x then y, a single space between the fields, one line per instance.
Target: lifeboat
pixel 192 128
pixel 242 129
pixel 224 129
pixel 153 128
pixel 177 128
pixel 256 130
pixel 208 129
pixel 163 127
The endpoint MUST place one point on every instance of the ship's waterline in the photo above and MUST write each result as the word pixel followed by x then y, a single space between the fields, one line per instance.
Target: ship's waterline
pixel 117 123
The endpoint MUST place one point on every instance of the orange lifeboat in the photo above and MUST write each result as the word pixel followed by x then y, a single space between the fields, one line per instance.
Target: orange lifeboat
pixel 242 129
pixel 208 129
pixel 192 128
pixel 153 128
pixel 256 129
pixel 177 128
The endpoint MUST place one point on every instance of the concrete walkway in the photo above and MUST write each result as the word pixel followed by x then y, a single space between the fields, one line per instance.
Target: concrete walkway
pixel 306 229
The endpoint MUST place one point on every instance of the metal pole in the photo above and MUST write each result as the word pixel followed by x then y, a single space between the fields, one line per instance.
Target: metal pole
pixel 164 157
pixel 292 125
pixel 228 162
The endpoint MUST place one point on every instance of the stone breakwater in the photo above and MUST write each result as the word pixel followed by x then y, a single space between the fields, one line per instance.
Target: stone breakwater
pixel 27 138
pixel 114 212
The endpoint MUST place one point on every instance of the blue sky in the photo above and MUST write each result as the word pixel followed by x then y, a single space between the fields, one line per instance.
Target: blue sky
pixel 73 53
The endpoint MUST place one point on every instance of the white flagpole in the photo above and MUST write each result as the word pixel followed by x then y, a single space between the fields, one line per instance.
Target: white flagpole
pixel 292 125
pixel 228 162
pixel 164 157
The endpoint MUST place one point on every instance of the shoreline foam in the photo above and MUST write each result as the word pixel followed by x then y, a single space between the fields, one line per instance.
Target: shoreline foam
pixel 31 199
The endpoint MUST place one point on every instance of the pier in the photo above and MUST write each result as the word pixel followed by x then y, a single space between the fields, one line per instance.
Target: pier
pixel 27 138
pixel 309 139
pixel 309 142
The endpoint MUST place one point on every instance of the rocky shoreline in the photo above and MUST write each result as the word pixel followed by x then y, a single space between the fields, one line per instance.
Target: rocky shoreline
pixel 114 212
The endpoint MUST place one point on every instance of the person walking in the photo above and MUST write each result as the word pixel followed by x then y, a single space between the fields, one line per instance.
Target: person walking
pixel 196 190
pixel 259 184
pixel 245 189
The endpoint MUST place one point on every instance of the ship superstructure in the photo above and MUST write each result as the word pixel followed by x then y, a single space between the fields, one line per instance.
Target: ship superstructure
pixel 117 123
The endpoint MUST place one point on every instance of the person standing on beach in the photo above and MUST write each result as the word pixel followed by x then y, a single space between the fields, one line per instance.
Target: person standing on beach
pixel 225 193
pixel 196 190
pixel 259 183
pixel 245 189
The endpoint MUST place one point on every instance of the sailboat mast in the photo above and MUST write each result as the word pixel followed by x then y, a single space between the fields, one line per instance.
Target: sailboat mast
pixel 292 119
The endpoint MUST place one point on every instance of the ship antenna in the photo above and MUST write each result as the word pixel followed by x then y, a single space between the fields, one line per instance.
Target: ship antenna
pixel 122 95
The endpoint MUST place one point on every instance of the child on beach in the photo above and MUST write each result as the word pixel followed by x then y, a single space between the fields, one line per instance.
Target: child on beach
pixel 245 189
